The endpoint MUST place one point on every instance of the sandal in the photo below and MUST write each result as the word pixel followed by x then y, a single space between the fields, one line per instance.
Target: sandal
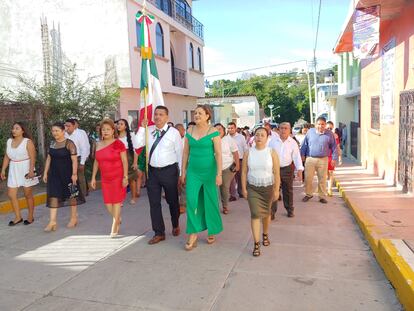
pixel 211 239
pixel 256 250
pixel 225 211
pixel 266 241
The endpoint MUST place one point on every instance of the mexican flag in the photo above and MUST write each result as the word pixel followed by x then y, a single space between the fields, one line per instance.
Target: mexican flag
pixel 150 87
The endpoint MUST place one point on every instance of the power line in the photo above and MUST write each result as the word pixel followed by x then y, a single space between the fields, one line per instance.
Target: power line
pixel 317 25
pixel 251 69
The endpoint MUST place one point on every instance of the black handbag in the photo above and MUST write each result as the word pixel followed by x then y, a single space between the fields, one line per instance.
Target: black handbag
pixel 73 190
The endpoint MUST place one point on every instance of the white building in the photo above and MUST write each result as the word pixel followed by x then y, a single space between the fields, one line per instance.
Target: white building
pixel 102 39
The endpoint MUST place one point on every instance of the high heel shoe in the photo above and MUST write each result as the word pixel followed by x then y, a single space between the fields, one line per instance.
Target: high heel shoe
pixel 190 245
pixel 72 223
pixel 51 227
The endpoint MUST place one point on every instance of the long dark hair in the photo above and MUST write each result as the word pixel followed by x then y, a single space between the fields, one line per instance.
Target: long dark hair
pixel 26 133
pixel 128 135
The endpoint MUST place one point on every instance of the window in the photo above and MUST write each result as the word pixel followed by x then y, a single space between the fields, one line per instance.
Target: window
pixel 164 5
pixel 185 118
pixel 159 34
pixel 375 113
pixel 191 55
pixel 199 58
pixel 138 30
pixel 183 9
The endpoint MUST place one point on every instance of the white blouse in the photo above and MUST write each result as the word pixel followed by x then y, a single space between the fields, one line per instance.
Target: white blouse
pixel 260 167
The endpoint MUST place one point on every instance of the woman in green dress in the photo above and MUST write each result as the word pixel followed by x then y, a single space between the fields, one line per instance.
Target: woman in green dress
pixel 201 173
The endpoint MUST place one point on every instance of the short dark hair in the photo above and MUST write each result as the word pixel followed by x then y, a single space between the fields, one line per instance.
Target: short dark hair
pixel 330 122
pixel 192 123
pixel 60 125
pixel 246 128
pixel 222 126
pixel 232 123
pixel 162 108
pixel 261 128
pixel 321 119
pixel 71 120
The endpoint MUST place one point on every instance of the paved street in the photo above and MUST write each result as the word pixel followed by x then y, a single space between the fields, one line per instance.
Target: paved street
pixel 316 261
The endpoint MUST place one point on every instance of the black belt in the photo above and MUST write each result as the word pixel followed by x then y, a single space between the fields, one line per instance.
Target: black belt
pixel 162 168
pixel 289 166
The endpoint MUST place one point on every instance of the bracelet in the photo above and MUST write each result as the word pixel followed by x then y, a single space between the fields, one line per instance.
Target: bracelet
pixel 219 175
pixel 125 177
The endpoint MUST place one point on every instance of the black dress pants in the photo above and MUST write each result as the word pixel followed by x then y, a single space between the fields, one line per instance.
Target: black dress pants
pixel 163 178
pixel 286 181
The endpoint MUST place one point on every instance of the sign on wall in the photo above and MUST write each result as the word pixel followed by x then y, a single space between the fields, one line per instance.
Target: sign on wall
pixel 366 32
pixel 387 82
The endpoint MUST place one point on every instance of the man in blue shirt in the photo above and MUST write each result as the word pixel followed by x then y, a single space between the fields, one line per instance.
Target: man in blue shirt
pixel 318 144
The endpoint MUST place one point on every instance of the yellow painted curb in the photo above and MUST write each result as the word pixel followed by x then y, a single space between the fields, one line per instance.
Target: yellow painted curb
pixel 397 270
pixel 6 207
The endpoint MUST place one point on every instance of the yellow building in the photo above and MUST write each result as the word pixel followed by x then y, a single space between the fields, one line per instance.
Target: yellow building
pixel 387 93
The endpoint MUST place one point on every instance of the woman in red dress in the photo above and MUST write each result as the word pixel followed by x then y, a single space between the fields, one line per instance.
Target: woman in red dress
pixel 331 168
pixel 111 159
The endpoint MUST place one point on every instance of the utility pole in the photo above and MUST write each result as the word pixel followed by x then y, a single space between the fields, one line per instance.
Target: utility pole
pixel 315 84
pixel 271 112
pixel 310 93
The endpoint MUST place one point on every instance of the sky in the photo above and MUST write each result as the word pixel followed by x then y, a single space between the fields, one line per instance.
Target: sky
pixel 242 34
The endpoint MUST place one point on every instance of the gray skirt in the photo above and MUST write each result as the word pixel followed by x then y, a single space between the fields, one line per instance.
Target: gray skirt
pixel 260 200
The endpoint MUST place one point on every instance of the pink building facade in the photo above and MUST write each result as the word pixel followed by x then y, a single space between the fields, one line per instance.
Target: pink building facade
pixel 177 40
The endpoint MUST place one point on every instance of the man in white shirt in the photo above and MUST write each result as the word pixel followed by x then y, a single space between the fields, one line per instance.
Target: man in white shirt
pixel 83 149
pixel 288 152
pixel 242 148
pixel 164 166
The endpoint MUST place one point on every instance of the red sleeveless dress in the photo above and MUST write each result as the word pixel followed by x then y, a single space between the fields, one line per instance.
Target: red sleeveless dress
pixel 112 173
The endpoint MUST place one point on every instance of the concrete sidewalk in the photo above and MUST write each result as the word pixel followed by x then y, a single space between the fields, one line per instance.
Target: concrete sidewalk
pixel 318 260
pixel 386 217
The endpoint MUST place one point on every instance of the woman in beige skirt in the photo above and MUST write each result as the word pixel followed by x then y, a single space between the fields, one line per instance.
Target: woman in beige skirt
pixel 260 182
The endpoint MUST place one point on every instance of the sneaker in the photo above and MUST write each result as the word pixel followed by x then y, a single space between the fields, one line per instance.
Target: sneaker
pixel 323 201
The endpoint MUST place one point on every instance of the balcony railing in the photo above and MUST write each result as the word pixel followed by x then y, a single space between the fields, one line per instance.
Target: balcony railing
pixel 178 12
pixel 179 77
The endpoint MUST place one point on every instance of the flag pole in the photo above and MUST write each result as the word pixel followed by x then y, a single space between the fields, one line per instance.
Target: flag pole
pixel 144 11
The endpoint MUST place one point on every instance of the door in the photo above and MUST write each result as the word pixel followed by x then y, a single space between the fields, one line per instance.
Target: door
pixel 406 141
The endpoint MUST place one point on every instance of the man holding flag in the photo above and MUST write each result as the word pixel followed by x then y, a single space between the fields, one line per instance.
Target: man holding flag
pixel 162 143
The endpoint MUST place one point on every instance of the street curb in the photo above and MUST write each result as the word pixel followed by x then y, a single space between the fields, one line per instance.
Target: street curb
pixel 39 199
pixel 395 267
pixel 6 206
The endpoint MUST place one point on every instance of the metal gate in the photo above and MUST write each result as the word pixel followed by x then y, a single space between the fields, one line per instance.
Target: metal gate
pixel 354 139
pixel 406 143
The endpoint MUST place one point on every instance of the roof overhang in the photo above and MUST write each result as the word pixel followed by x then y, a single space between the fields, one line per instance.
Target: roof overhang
pixel 389 9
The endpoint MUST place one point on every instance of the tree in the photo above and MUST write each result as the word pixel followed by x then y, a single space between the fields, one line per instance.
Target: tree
pixel 89 101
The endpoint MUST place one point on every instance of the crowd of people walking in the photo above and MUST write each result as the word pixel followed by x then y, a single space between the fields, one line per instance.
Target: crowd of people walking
pixel 198 170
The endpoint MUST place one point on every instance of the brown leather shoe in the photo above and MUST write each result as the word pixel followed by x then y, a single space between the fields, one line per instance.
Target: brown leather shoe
pixel 156 239
pixel 176 231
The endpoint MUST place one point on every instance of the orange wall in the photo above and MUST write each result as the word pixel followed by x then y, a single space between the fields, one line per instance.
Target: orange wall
pixel 380 149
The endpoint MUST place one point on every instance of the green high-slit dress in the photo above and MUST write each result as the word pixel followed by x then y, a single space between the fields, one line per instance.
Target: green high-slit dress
pixel 203 211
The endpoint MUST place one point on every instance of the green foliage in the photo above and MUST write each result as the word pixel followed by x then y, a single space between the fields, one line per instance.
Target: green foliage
pixel 88 101
pixel 288 93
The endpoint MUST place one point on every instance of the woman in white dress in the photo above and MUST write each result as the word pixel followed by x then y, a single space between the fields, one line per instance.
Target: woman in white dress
pixel 260 185
pixel 230 163
pixel 20 157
